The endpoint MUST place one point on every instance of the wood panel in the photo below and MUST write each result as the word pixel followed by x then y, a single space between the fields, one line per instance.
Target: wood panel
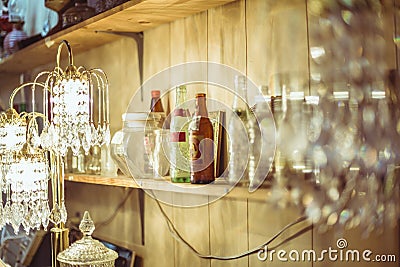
pixel 122 228
pixel 133 16
pixel 159 244
pixel 188 44
pixel 266 220
pixel 289 63
pixel 226 45
pixel 259 29
pixel 228 231
pixel 119 61
pixel 193 224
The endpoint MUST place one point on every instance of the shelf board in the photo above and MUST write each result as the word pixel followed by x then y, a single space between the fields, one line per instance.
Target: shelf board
pixel 220 188
pixel 132 16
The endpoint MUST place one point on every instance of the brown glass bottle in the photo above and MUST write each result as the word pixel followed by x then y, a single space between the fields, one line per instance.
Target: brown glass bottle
pixel 201 144
pixel 156 104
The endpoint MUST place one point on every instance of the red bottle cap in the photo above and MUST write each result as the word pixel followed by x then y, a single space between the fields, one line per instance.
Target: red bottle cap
pixel 155 94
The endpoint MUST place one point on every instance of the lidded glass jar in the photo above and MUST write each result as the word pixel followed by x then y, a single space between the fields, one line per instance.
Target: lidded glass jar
pixel 78 13
pixel 132 147
pixel 87 251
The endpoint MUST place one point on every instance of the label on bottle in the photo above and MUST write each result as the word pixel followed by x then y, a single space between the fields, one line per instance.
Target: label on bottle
pixel 178 137
pixel 195 152
pixel 201 152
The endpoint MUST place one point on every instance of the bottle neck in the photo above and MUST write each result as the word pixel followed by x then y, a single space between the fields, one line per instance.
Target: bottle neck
pixel 201 108
pixel 240 97
pixel 181 105
pixel 156 105
pixel 180 96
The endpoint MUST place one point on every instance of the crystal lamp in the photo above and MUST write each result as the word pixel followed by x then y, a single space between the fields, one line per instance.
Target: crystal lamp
pixel 75 116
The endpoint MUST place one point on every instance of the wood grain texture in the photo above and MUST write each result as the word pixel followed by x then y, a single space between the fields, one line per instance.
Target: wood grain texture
pixel 289 45
pixel 259 32
pixel 133 16
pixel 226 45
pixel 264 222
pixel 193 224
pixel 158 240
pixel 188 44
pixel 124 228
pixel 118 55
pixel 228 231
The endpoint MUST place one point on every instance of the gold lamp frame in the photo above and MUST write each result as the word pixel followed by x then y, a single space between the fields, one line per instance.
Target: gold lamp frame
pixel 69 98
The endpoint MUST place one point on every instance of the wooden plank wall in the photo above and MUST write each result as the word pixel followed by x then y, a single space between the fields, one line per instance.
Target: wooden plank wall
pixel 267 40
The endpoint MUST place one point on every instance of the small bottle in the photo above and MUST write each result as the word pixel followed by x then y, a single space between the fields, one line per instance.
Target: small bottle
pixel 156 104
pixel 156 107
pixel 179 139
pixel 78 162
pixel 108 166
pixel 94 164
pixel 201 144
pixel 239 147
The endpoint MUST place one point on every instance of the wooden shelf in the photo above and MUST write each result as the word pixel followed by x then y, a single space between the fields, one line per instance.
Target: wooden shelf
pixel 218 189
pixel 132 16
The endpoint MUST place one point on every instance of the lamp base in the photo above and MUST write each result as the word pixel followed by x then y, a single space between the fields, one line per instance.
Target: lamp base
pixel 59 242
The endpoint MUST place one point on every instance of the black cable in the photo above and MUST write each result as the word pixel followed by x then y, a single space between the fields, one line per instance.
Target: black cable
pixel 174 232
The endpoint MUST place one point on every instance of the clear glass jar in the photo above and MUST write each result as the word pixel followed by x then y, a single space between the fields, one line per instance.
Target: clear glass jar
pixel 133 147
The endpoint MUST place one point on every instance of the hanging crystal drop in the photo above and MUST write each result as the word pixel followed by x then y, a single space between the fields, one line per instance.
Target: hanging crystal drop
pixel 26 222
pixel 63 213
pixel 7 212
pixel 2 220
pixel 99 135
pixel 75 146
pixel 107 135
pixel 45 214
pixel 55 215
pixel 94 135
pixel 36 219
pixel 16 216
pixel 35 139
pixel 44 138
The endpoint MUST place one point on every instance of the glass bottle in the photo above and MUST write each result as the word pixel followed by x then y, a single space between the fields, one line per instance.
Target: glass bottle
pixel 108 167
pixel 94 164
pixel 156 106
pixel 179 143
pixel 201 144
pixel 238 134
pixel 78 162
pixel 263 146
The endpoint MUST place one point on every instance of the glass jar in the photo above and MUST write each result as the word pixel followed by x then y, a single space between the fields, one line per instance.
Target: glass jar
pixel 133 146
pixel 78 13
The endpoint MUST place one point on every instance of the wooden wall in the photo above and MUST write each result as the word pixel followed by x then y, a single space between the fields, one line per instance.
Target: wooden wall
pixel 263 39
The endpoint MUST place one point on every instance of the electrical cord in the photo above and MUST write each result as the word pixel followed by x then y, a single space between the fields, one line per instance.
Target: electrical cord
pixel 177 236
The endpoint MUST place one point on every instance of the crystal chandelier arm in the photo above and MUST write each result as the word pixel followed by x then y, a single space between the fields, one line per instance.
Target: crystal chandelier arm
pixel 105 95
pixel 70 57
pixel 16 90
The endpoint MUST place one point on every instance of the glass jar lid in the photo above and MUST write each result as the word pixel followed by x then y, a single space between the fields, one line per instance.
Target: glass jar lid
pixel 87 251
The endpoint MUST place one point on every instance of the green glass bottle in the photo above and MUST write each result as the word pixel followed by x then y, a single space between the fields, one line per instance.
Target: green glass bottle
pixel 179 156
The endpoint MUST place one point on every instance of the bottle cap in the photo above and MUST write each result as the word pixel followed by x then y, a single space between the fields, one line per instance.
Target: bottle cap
pixel 155 93
pixel 200 95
